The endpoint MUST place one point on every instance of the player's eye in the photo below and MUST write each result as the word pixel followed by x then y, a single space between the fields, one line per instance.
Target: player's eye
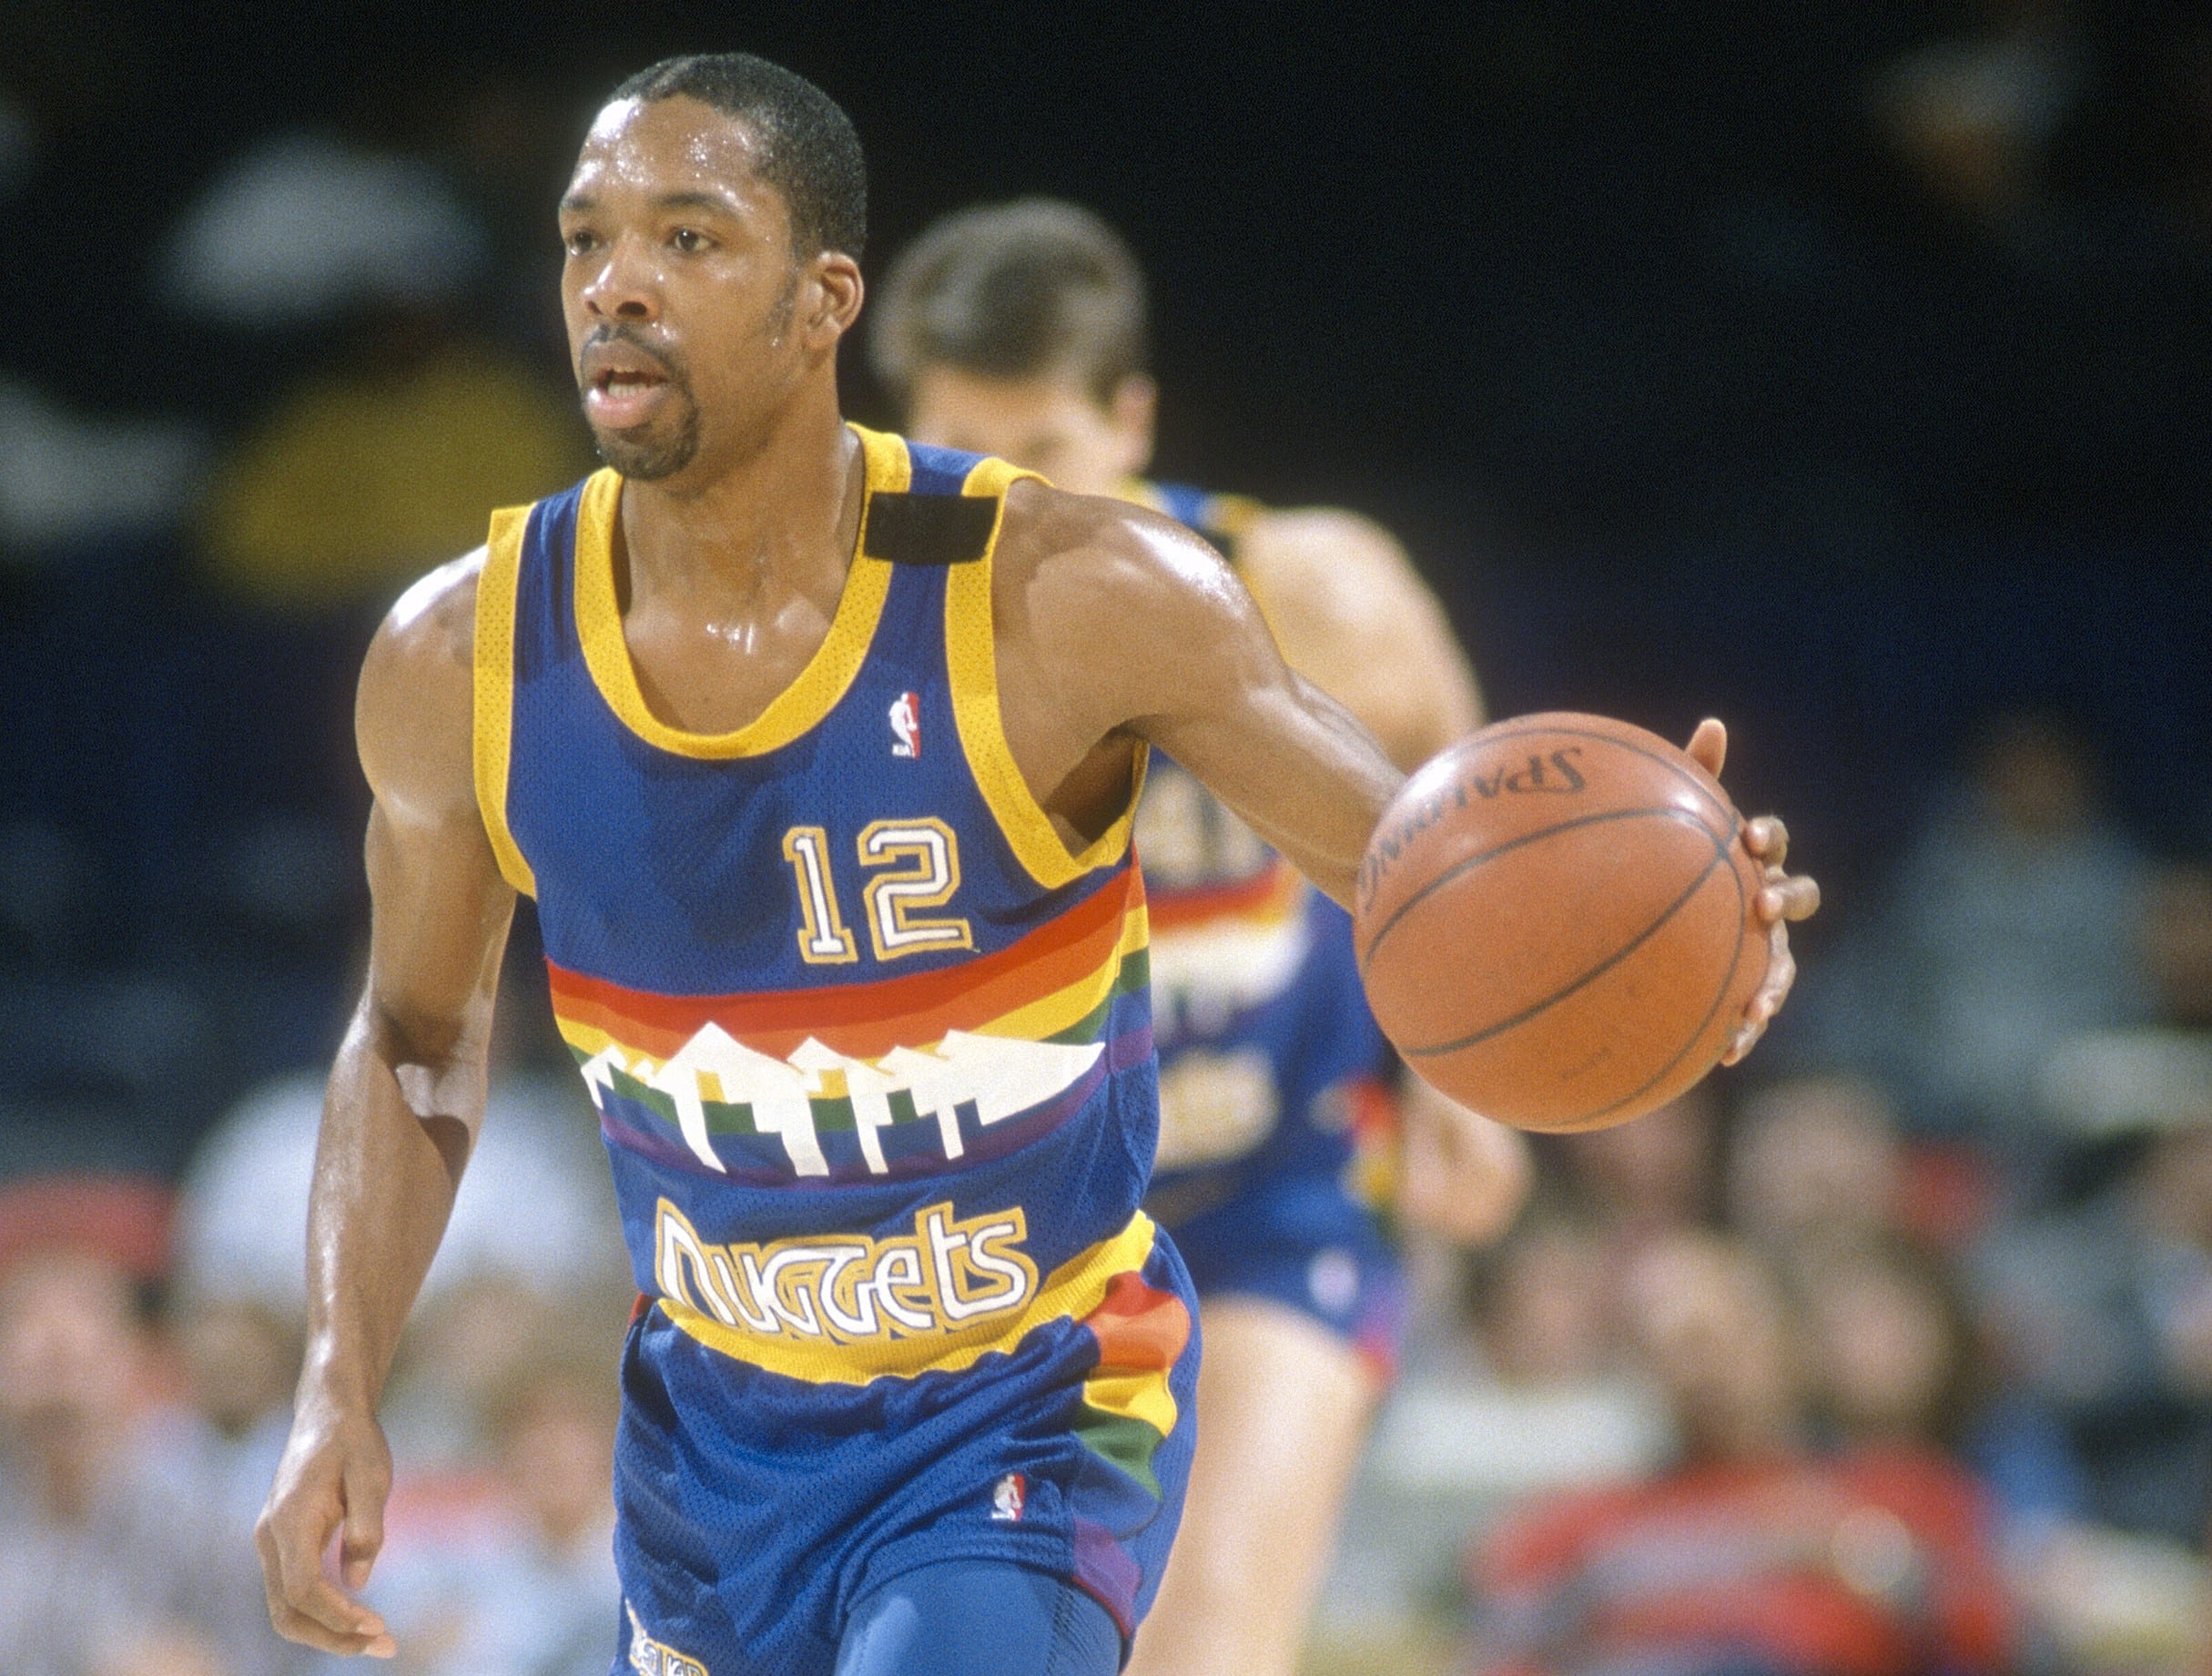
pixel 688 240
pixel 578 243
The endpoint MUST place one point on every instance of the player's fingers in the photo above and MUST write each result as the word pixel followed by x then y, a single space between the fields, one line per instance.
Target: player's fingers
pixel 1767 839
pixel 1786 897
pixel 361 1536
pixel 297 1626
pixel 298 1586
pixel 1781 974
pixel 337 1611
pixel 1709 745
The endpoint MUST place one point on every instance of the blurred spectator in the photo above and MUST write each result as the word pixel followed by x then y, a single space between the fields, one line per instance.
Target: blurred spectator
pixel 534 1206
pixel 362 480
pixel 68 480
pixel 515 1572
pixel 106 1567
pixel 2012 927
pixel 1886 1348
pixel 306 226
pixel 1893 1358
pixel 128 1221
pixel 220 1446
pixel 468 1343
pixel 2177 944
pixel 2102 1084
pixel 1538 1302
pixel 1546 1401
pixel 1974 117
pixel 1751 1556
pixel 1816 1167
pixel 1891 1351
pixel 2105 1313
pixel 1656 1174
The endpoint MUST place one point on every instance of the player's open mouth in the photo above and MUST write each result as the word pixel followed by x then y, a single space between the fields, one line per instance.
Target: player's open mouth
pixel 619 397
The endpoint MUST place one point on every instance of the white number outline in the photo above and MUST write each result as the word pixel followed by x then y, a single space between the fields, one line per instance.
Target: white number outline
pixel 897 900
pixel 823 938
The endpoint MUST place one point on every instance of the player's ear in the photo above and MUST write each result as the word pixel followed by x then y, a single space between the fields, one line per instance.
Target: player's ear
pixel 834 297
pixel 1133 410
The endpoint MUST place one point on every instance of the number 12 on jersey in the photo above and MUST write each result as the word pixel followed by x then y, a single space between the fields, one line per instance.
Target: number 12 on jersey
pixel 915 867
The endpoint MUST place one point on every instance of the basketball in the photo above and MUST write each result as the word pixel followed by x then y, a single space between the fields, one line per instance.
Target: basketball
pixel 1555 921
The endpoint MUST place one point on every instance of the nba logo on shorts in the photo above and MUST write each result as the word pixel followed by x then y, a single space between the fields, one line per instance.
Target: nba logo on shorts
pixel 906 726
pixel 1006 1497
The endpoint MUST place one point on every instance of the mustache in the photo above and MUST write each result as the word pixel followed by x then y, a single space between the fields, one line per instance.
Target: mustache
pixel 621 331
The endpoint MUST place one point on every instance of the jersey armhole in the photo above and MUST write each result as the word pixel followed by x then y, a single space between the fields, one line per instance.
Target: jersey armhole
pixel 494 690
pixel 972 657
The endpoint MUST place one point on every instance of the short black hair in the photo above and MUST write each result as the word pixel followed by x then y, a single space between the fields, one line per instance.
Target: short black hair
pixel 1014 290
pixel 809 152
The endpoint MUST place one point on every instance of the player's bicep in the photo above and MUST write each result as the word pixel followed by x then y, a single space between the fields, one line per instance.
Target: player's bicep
pixel 440 912
pixel 1197 672
pixel 439 909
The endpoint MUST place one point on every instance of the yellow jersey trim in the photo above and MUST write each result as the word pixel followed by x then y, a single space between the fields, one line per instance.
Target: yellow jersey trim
pixel 972 651
pixel 818 686
pixel 1070 1292
pixel 493 685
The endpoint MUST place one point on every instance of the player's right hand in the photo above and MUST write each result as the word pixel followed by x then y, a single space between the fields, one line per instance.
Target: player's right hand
pixel 333 1479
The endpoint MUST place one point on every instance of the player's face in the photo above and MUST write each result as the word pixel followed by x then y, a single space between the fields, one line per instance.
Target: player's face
pixel 1050 423
pixel 688 314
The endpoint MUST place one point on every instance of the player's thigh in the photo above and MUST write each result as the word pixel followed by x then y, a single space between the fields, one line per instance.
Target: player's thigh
pixel 1282 1406
pixel 978 1617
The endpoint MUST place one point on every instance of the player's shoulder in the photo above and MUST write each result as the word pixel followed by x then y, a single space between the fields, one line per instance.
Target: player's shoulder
pixel 414 711
pixel 1054 543
pixel 432 625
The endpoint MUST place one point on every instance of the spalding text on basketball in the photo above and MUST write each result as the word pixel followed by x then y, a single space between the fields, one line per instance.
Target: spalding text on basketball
pixel 1549 773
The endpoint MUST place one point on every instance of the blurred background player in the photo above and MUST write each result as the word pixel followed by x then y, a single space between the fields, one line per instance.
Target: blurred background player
pixel 1020 329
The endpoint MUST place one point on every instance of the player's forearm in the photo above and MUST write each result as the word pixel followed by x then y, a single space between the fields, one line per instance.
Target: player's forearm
pixel 396 1131
pixel 1317 795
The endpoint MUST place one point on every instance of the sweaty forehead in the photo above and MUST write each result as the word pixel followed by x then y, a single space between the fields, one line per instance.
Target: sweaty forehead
pixel 658 146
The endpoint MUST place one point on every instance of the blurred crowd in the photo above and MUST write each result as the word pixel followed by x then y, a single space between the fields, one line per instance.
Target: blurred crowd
pixel 1890 1354
pixel 1893 1355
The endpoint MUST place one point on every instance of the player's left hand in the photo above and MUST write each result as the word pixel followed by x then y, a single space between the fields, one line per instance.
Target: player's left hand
pixel 1784 897
pixel 1460 1176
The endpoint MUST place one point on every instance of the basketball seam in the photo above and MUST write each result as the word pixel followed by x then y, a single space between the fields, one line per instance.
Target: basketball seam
pixel 1603 967
pixel 1458 867
pixel 1529 727
pixel 1734 960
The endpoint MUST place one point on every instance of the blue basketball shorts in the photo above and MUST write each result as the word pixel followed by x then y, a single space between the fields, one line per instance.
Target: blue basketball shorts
pixel 1303 1242
pixel 765 1522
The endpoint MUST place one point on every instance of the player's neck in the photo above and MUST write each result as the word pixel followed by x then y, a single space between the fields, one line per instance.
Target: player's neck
pixel 782 518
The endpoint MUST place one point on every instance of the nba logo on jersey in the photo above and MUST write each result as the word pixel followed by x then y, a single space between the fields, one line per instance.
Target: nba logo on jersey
pixel 906 726
pixel 1006 1499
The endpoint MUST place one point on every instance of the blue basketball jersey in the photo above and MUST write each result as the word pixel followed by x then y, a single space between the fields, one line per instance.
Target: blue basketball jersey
pixel 1263 1026
pixel 1271 1068
pixel 871 1053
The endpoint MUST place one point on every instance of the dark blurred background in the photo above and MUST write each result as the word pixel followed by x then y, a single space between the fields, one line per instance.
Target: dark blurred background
pixel 1840 370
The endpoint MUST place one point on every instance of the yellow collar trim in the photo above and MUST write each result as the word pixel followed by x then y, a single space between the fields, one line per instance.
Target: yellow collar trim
pixel 817 687
pixel 493 743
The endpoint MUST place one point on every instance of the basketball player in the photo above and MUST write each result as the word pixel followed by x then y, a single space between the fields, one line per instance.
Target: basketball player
pixel 818 753
pixel 1019 329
